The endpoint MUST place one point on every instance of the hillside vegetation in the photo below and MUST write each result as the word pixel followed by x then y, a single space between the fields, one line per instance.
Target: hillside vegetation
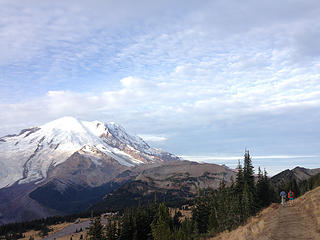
pixel 301 221
pixel 228 208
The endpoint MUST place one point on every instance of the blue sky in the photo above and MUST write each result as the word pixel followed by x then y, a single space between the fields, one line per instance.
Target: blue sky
pixel 203 79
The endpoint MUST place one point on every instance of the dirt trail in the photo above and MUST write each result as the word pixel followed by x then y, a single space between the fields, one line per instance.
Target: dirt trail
pixel 291 223
pixel 299 222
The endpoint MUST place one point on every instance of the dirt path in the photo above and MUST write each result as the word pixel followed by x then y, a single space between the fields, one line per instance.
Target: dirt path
pixel 299 222
pixel 290 223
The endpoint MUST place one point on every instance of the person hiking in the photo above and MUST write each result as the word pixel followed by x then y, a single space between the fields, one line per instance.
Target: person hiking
pixel 290 196
pixel 283 195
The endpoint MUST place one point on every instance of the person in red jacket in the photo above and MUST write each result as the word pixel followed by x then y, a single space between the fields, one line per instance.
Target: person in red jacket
pixel 290 196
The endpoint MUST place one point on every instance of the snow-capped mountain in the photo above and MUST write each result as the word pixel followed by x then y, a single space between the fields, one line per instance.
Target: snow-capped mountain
pixel 32 154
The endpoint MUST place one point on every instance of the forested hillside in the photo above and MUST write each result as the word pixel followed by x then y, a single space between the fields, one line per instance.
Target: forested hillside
pixel 213 211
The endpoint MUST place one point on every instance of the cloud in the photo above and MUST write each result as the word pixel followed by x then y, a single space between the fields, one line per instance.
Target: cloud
pixel 273 164
pixel 208 76
pixel 152 138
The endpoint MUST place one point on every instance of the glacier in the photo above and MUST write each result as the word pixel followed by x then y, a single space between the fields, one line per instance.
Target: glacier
pixel 28 156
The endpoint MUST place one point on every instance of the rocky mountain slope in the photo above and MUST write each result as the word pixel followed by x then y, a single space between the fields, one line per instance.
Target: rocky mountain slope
pixel 65 165
pixel 173 182
pixel 301 221
pixel 31 155
pixel 299 174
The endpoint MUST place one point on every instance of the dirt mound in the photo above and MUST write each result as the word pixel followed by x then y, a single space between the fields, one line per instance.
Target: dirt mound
pixel 301 221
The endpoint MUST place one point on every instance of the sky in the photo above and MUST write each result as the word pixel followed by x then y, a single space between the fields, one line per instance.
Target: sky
pixel 201 79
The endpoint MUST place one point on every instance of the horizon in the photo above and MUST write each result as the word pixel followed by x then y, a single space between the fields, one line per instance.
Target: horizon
pixel 200 79
pixel 287 162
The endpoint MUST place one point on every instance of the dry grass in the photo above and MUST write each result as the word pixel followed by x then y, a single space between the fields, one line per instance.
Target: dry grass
pixel 55 228
pixel 301 221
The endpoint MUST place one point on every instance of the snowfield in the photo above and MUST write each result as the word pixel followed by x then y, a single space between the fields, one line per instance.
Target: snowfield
pixel 29 155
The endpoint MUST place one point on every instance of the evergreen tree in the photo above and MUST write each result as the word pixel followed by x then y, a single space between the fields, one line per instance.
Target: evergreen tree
pixel 161 225
pixel 188 229
pixel 201 213
pixel 142 222
pixel 248 172
pixel 239 178
pixel 248 176
pixel 95 231
pixel 111 230
pixel 245 201
pixel 44 230
pixel 239 186
pixel 261 190
pixel 234 213
pixel 176 221
pixel 127 229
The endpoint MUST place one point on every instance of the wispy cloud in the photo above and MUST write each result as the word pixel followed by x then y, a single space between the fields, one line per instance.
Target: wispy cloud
pixel 152 138
pixel 209 76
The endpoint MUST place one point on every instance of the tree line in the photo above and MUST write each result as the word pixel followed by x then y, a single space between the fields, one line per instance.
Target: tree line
pixel 213 211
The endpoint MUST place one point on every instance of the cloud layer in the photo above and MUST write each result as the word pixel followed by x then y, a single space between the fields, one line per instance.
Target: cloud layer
pixel 196 78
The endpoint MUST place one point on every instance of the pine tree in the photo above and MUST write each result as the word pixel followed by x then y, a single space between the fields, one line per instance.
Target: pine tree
pixel 246 202
pixel 239 186
pixel 44 230
pixel 248 172
pixel 187 228
pixel 261 190
pixel 111 230
pixel 142 223
pixel 161 224
pixel 222 206
pixel 248 176
pixel 201 213
pixel 127 230
pixel 95 231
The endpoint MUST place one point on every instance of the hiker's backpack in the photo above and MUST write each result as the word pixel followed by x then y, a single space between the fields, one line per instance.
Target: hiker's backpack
pixel 290 194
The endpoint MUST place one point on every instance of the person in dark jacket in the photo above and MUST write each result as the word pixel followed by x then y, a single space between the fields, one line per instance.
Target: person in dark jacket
pixel 283 195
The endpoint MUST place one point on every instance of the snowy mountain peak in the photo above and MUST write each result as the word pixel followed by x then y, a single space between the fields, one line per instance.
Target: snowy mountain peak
pixel 30 155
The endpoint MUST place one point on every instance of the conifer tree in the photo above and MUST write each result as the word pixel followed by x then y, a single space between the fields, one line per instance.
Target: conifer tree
pixel 95 231
pixel 161 224
pixel 201 213
pixel 238 194
pixel 127 226
pixel 261 190
pixel 111 230
pixel 248 176
pixel 246 202
pixel 142 223
pixel 248 172
pixel 187 228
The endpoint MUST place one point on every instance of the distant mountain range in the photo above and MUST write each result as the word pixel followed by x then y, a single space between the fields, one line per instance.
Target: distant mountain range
pixel 298 174
pixel 174 182
pixel 67 166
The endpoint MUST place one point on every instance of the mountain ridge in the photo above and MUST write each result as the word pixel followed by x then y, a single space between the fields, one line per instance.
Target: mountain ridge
pixel 297 174
pixel 66 159
pixel 29 155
